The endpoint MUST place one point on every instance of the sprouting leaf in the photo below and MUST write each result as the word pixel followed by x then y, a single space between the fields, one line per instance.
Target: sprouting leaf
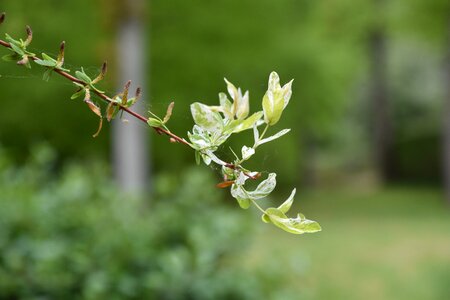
pixel 288 203
pixel 239 193
pixel 264 188
pixel 153 122
pixel 47 74
pixel 214 158
pixel 247 152
pixel 101 75
pixel 243 106
pixel 10 57
pixel 81 75
pixel 226 106
pixel 273 137
pixel 275 99
pixel 247 123
pixel 169 112
pixel 77 93
pixel 206 118
pixel 96 110
pixel 111 111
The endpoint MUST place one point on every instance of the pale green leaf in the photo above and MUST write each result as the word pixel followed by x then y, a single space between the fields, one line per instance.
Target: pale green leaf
pixel 82 76
pixel 274 137
pixel 153 122
pixel 205 117
pixel 77 94
pixel 288 203
pixel 248 123
pixel 247 152
pixel 264 188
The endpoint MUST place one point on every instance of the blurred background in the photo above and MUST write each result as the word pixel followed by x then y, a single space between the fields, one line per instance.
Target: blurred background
pixel 127 216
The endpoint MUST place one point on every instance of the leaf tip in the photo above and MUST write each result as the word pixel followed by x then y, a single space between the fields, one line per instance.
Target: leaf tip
pixel 2 17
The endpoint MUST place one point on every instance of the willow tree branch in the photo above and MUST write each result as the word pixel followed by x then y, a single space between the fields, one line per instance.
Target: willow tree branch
pixel 159 130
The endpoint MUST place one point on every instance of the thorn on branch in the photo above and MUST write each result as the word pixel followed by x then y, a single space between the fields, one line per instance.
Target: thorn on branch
pixel 29 35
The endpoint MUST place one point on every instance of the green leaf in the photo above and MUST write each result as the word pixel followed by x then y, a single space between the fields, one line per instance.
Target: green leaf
pixel 243 203
pixel 154 122
pixel 197 157
pixel 17 49
pixel 10 57
pixel 47 74
pixel 284 208
pixel 206 118
pixel 274 137
pixel 45 63
pixel 239 193
pixel 243 106
pixel 264 188
pixel 48 58
pixel 297 225
pixel 77 94
pixel 226 106
pixel 247 123
pixel 276 99
pixel 81 75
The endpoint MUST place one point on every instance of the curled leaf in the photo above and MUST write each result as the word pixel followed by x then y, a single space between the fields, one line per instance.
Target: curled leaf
pixel 102 73
pixel 60 59
pixel 96 110
pixel 288 203
pixel 111 111
pixel 125 92
pixel 168 112
pixel 29 35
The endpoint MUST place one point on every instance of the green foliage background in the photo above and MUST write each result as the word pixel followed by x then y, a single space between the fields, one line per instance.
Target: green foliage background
pixel 57 214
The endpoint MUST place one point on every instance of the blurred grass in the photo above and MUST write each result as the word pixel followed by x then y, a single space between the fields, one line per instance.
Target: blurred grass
pixel 390 244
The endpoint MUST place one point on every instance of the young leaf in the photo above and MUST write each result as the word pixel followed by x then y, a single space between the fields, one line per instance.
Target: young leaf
pixel 47 74
pixel 297 225
pixel 247 152
pixel 10 57
pixel 264 188
pixel 60 59
pixel 155 122
pixel 96 110
pixel 275 99
pixel 78 93
pixel 197 157
pixel 81 75
pixel 273 137
pixel 102 73
pixel 169 112
pixel 288 203
pixel 247 123
pixel 206 118
pixel 29 36
pixel 239 193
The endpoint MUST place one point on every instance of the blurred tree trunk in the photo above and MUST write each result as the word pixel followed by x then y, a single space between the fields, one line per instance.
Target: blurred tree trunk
pixel 379 98
pixel 446 129
pixel 130 139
